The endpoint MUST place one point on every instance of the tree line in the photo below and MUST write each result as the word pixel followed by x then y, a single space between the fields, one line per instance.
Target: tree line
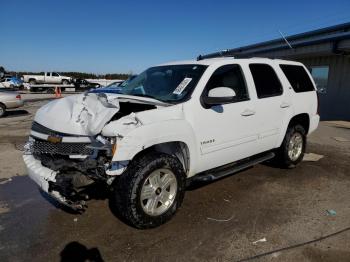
pixel 81 75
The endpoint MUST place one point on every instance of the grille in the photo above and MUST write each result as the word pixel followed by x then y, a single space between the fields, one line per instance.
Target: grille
pixel 44 147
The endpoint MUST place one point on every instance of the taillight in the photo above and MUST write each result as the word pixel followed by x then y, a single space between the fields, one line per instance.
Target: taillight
pixel 18 97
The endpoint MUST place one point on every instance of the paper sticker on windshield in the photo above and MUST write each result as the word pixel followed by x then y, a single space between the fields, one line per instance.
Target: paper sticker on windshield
pixel 181 87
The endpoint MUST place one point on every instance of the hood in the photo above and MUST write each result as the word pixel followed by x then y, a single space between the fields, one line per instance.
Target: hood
pixel 122 126
pixel 84 114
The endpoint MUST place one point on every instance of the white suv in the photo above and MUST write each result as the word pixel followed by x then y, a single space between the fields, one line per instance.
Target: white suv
pixel 174 124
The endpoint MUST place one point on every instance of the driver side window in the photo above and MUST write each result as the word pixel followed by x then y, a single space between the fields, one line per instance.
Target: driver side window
pixel 230 76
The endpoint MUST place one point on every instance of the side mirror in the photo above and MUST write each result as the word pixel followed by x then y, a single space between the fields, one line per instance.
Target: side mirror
pixel 219 95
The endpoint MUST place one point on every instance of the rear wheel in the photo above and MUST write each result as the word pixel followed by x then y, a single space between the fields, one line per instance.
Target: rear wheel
pixel 150 191
pixel 32 81
pixel 65 82
pixel 50 91
pixel 293 146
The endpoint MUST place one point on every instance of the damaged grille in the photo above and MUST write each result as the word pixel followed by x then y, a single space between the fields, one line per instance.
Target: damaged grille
pixel 43 147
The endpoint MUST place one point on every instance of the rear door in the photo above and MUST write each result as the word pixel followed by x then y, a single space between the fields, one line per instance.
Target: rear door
pixel 273 104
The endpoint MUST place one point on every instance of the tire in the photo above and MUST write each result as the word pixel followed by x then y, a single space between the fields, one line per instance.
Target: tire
pixel 293 146
pixel 65 82
pixel 129 193
pixel 2 110
pixel 50 91
pixel 32 81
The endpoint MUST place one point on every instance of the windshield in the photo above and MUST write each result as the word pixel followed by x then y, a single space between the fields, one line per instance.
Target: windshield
pixel 169 83
pixel 127 81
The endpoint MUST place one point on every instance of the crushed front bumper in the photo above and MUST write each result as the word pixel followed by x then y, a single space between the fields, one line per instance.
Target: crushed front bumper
pixel 43 176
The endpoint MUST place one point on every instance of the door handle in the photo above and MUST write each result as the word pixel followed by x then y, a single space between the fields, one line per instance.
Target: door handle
pixel 285 105
pixel 248 112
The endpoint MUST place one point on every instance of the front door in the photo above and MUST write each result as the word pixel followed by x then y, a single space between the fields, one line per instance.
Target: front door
pixel 227 132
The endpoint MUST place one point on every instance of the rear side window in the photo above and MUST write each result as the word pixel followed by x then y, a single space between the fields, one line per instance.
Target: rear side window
pixel 298 78
pixel 266 81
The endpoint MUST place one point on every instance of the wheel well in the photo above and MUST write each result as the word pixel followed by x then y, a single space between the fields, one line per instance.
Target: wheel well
pixel 301 119
pixel 3 105
pixel 177 149
pixel 30 79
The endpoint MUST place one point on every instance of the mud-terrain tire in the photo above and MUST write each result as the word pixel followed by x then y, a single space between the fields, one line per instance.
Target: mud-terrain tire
pixel 292 150
pixel 128 190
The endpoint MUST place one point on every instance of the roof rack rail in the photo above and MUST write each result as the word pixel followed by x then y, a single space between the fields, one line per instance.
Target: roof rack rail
pixel 222 53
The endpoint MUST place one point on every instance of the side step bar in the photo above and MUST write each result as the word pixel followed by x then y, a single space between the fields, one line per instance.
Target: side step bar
pixel 230 169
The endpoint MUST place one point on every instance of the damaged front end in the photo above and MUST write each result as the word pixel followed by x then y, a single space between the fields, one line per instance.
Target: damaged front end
pixel 70 172
pixel 67 156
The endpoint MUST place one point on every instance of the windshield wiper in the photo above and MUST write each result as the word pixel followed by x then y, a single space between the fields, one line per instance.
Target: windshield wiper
pixel 149 96
pixel 144 95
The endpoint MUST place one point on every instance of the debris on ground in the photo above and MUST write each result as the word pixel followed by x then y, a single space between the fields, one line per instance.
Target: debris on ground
pixel 259 241
pixel 226 200
pixel 5 180
pixel 312 157
pixel 340 139
pixel 331 212
pixel 221 220
pixel 3 208
pixel 75 219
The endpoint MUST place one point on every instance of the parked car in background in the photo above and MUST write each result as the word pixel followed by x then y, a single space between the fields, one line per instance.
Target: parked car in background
pixel 17 81
pixel 11 82
pixel 82 84
pixel 47 78
pixel 9 100
pixel 113 87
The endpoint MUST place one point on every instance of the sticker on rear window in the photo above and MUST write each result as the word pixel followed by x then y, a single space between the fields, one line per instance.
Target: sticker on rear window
pixel 181 87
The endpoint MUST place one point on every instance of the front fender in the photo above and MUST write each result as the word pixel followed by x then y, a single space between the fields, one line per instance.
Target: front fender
pixel 149 135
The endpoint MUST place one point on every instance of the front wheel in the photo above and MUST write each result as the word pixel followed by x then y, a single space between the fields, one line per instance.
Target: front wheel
pixel 150 191
pixel 293 146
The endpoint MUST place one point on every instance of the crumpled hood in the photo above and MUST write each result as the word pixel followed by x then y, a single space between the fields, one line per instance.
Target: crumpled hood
pixel 83 114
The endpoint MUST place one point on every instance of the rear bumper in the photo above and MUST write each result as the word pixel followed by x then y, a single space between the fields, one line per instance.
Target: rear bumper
pixel 13 104
pixel 314 121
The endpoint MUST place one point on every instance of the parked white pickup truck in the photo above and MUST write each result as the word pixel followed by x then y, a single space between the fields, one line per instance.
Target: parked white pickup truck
pixel 47 78
pixel 174 124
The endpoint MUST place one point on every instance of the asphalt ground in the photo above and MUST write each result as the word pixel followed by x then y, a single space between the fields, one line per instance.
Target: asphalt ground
pixel 300 214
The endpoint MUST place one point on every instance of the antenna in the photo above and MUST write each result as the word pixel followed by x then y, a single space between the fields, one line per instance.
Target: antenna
pixel 285 39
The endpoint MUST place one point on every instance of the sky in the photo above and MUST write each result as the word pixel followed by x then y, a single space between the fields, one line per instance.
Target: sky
pixel 129 36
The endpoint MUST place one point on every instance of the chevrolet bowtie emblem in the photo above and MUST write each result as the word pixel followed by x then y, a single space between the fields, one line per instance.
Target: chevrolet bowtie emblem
pixel 54 139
